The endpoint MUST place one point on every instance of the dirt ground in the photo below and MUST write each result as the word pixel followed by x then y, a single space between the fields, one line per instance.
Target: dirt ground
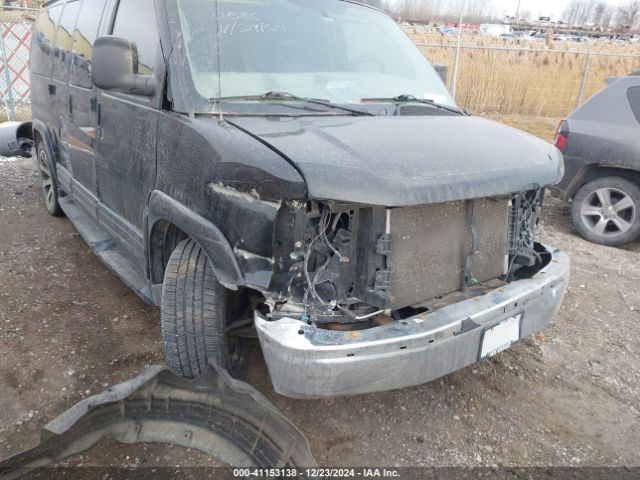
pixel 570 396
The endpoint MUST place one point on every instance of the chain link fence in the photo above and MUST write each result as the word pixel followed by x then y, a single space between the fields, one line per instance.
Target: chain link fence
pixel 526 81
pixel 518 76
pixel 16 27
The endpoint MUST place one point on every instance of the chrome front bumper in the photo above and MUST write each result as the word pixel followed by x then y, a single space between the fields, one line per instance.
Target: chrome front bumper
pixel 307 362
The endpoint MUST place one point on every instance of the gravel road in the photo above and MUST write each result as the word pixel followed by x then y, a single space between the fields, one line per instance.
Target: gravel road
pixel 570 396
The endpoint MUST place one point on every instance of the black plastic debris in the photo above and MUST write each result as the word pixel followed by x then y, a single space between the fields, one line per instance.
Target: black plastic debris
pixel 16 139
pixel 217 415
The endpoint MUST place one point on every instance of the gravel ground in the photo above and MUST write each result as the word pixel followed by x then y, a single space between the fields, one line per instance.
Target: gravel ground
pixel 569 396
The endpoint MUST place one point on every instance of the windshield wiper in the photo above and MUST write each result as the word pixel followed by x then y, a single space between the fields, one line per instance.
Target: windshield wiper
pixel 291 97
pixel 412 99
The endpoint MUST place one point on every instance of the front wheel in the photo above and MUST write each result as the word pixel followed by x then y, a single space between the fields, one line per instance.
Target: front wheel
pixel 607 211
pixel 193 312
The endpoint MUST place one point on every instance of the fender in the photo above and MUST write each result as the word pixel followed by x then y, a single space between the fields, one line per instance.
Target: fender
pixel 582 172
pixel 204 233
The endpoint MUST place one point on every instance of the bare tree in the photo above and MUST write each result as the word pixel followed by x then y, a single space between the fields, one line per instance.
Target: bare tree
pixel 629 13
pixel 602 14
pixel 478 9
pixel 475 10
pixel 581 12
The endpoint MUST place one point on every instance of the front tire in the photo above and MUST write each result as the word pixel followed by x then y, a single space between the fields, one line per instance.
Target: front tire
pixel 607 211
pixel 193 312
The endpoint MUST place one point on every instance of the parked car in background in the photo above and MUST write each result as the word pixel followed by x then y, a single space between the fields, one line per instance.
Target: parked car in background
pixel 494 30
pixel 448 30
pixel 601 146
pixel 537 37
pixel 577 39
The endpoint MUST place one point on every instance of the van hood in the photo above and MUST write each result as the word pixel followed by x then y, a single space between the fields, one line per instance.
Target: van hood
pixel 403 161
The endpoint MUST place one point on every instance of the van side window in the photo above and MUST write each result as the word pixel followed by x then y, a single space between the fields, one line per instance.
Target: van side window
pixel 633 94
pixel 136 22
pixel 44 36
pixel 83 39
pixel 64 35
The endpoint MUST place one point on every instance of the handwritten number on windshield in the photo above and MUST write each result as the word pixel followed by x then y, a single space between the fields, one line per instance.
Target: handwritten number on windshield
pixel 246 22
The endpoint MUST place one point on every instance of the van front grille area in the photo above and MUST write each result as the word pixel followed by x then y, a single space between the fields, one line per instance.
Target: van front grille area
pixel 430 245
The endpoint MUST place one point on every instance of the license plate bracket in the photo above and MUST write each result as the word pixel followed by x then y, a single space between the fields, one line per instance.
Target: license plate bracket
pixel 500 337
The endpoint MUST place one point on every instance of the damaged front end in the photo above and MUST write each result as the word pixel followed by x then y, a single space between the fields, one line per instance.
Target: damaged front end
pixel 339 265
pixel 365 298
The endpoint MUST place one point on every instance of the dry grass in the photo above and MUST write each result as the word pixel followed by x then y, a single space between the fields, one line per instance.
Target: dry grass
pixel 23 112
pixel 431 36
pixel 542 127
pixel 16 16
pixel 531 83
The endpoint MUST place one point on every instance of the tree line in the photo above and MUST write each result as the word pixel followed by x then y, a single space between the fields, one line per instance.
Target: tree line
pixel 430 10
pixel 598 13
pixel 603 14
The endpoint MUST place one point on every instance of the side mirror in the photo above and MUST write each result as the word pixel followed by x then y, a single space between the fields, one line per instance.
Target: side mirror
pixel 442 71
pixel 115 67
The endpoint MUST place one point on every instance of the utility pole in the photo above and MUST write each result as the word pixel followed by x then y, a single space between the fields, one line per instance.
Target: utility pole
pixel 456 60
pixel 518 12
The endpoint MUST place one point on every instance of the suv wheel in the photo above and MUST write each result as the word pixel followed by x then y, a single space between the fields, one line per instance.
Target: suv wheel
pixel 193 311
pixel 607 211
pixel 48 181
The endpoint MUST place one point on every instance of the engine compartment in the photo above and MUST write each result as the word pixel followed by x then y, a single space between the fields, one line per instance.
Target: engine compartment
pixel 337 265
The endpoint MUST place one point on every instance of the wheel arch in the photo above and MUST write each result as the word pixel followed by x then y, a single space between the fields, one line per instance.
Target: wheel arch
pixel 593 172
pixel 41 132
pixel 170 222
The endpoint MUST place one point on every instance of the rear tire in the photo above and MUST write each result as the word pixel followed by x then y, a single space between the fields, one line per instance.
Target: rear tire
pixel 607 211
pixel 193 311
pixel 48 181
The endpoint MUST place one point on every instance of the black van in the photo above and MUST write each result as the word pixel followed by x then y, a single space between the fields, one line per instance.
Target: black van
pixel 297 169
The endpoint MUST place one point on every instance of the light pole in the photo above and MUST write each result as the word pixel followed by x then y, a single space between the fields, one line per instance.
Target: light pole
pixel 518 12
pixel 456 60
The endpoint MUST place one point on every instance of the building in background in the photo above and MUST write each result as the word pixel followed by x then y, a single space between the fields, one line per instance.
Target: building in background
pixel 494 29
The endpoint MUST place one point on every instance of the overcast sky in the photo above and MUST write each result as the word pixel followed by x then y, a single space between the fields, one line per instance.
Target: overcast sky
pixel 537 8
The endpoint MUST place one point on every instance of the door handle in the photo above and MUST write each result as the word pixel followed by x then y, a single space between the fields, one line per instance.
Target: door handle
pixel 98 120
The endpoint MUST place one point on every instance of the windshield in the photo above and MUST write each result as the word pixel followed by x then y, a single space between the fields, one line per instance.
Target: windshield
pixel 324 49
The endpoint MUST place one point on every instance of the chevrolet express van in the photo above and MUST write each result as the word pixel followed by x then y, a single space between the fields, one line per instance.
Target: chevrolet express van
pixel 295 170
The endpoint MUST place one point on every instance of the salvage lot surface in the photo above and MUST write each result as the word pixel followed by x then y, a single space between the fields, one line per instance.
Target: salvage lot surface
pixel 568 396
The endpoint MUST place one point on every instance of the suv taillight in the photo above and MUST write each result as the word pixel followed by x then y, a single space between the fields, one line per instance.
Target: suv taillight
pixel 562 135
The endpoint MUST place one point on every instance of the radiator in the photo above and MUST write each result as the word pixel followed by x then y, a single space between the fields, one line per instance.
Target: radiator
pixel 430 244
